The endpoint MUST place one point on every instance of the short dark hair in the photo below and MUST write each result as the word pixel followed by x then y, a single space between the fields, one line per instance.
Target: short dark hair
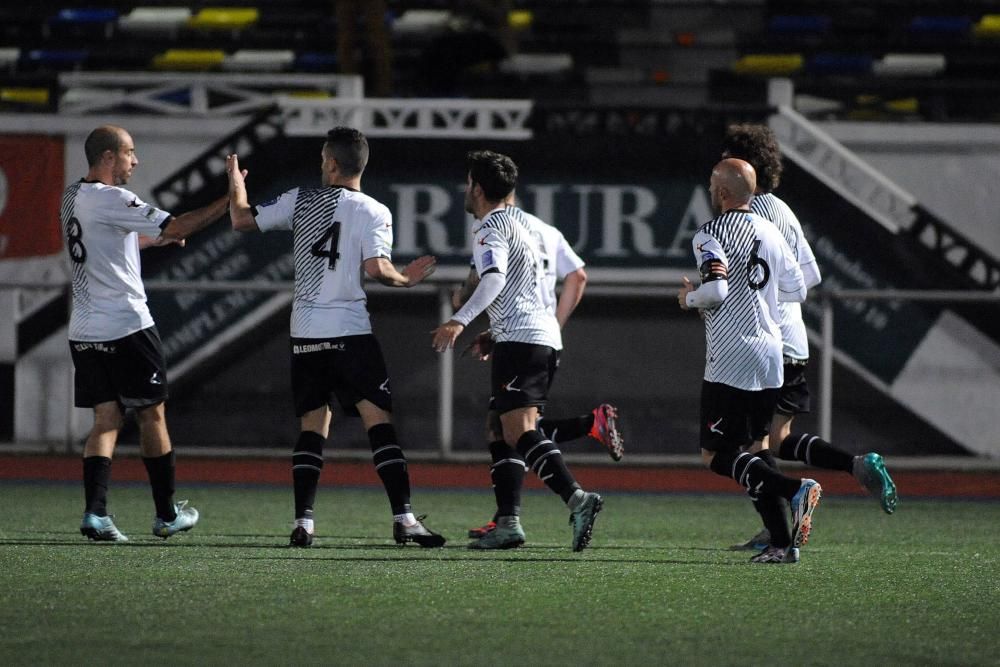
pixel 757 145
pixel 349 148
pixel 104 138
pixel 495 173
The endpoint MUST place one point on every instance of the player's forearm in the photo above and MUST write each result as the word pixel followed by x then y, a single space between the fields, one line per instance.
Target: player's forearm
pixel 192 222
pixel 382 270
pixel 488 289
pixel 572 291
pixel 709 295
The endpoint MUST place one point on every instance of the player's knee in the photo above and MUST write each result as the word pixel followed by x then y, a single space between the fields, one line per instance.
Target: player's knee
pixel 152 415
pixel 494 429
pixel 706 457
pixel 107 418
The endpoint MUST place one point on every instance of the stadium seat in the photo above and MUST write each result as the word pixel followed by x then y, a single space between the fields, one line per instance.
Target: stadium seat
pixel 418 21
pixel 58 59
pixel 259 60
pixel 189 59
pixel 224 18
pixel 520 19
pixel 839 63
pixel 316 62
pixel 988 26
pixel 909 64
pixel 100 16
pixel 9 57
pixel 155 19
pixel 528 64
pixel 24 96
pixel 940 26
pixel 776 64
pixel 785 24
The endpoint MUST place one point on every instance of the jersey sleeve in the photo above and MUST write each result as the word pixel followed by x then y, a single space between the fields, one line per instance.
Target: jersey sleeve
pixel 130 213
pixel 378 241
pixel 710 257
pixel 791 283
pixel 807 261
pixel 276 214
pixel 567 261
pixel 490 251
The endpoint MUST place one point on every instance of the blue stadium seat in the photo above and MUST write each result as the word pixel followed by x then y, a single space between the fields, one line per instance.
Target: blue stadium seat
pixel 314 61
pixel 86 16
pixel 789 24
pixel 941 26
pixel 839 63
pixel 58 59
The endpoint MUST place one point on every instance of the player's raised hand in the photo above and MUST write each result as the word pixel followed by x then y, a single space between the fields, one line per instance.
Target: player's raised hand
pixel 236 175
pixel 686 287
pixel 419 269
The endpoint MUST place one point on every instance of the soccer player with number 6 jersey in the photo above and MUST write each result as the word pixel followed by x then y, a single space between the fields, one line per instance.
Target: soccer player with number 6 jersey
pixel 746 267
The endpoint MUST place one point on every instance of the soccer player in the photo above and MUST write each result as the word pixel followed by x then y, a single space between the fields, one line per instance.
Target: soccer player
pixel 113 340
pixel 524 356
pixel 338 232
pixel 560 263
pixel 757 145
pixel 746 267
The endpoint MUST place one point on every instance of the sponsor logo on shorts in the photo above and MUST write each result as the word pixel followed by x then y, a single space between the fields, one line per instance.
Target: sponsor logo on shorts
pixel 99 347
pixel 156 378
pixel 509 386
pixel 317 347
pixel 714 427
pixel 385 386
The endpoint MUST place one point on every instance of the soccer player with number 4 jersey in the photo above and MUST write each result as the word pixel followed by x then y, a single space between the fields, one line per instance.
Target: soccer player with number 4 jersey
pixel 113 341
pixel 746 267
pixel 338 233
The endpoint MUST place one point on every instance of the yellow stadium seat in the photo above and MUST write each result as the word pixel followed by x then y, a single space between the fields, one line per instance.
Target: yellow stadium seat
pixel 988 26
pixel 189 59
pixel 224 18
pixel 904 105
pixel 39 96
pixel 307 94
pixel 520 19
pixel 770 64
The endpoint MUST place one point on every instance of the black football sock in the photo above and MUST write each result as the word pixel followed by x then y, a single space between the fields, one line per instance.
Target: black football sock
pixel 546 460
pixel 563 430
pixel 772 512
pixel 390 464
pixel 752 473
pixel 307 464
pixel 814 451
pixel 507 473
pixel 768 457
pixel 161 478
pixel 96 476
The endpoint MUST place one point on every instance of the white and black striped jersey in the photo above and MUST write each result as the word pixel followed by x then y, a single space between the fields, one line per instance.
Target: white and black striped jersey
pixel 558 257
pixel 102 224
pixel 334 231
pixel 793 329
pixel 742 337
pixel 519 313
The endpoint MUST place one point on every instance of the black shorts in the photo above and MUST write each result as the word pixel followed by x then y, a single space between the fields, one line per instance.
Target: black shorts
pixel 521 376
pixel 130 370
pixel 793 397
pixel 350 368
pixel 733 418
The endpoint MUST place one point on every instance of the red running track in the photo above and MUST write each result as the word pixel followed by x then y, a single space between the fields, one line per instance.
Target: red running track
pixel 911 483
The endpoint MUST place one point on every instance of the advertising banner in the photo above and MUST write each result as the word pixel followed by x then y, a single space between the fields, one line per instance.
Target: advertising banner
pixel 31 184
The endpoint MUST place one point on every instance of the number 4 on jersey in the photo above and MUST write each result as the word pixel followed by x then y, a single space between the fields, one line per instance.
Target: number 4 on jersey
pixel 319 249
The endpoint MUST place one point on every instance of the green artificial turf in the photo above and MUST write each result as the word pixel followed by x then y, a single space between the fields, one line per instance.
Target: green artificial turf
pixel 657 586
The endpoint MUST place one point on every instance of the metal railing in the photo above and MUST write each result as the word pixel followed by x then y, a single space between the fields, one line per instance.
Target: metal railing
pixel 442 284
